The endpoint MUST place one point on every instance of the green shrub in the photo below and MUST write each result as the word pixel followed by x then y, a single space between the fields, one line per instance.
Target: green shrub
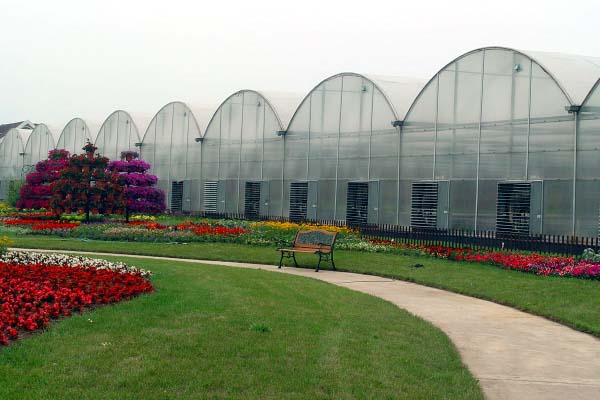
pixel 14 192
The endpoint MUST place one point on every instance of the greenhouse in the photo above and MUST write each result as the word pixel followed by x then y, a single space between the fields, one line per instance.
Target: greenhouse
pixel 171 145
pixel 490 144
pixel 74 136
pixel 497 140
pixel 243 152
pixel 38 145
pixel 118 133
pixel 12 149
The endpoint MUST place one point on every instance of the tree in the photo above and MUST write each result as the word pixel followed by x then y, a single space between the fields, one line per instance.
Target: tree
pixel 37 191
pixel 141 195
pixel 86 185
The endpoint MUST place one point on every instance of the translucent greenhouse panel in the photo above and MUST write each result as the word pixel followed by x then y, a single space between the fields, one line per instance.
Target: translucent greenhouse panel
pixel 551 154
pixel 464 166
pixel 353 168
pixel 11 158
pixel 486 210
pixel 417 143
pixel 118 133
pixel 210 149
pixel 179 141
pixel 272 145
pixel 587 216
pixel 468 88
pixel 497 94
pixel 232 196
pixel 502 166
pixel 557 215
pixel 251 170
pixel 385 140
pixel 326 207
pixel 40 142
pixel 231 131
pixel 446 96
pixel 355 126
pixel 422 115
pixel 521 73
pixel 550 136
pixel 162 142
pixel 462 204
pixel 416 167
pixel 276 198
pixel 556 165
pixel 388 201
pixel 418 134
pixel 404 202
pixel 74 136
pixel 547 99
pixel 253 118
pixel 297 134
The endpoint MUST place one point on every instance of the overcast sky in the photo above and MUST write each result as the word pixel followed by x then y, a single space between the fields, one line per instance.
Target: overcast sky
pixel 60 59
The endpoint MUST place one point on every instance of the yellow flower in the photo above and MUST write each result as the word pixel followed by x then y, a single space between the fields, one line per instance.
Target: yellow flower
pixel 5 242
pixel 301 226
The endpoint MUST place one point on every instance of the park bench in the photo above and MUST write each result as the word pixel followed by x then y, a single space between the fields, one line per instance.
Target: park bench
pixel 316 241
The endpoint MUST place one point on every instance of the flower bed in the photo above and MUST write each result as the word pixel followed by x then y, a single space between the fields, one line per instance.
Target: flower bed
pixel 531 263
pixel 35 288
pixel 41 225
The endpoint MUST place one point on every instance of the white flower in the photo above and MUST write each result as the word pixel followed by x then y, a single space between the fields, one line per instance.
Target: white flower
pixel 23 257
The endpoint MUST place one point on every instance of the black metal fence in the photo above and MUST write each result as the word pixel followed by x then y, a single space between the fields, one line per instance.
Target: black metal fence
pixel 485 240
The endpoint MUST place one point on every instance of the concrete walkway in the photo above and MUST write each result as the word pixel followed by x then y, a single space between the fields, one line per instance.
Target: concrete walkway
pixel 514 355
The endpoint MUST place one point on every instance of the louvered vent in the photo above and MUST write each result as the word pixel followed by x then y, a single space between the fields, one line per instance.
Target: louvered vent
pixel 298 201
pixel 424 202
pixel 210 196
pixel 176 196
pixel 513 207
pixel 357 203
pixel 252 200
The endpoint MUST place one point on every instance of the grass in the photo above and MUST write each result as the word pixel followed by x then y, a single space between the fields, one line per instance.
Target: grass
pixel 226 333
pixel 573 302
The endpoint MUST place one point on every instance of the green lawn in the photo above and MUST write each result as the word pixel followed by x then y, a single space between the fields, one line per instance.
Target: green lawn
pixel 226 333
pixel 574 302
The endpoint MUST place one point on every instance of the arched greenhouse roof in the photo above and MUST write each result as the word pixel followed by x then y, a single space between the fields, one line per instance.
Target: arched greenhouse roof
pixel 575 75
pixel 74 136
pixel 119 132
pixel 282 105
pixel 40 142
pixel 172 104
pixel 398 91
pixel 11 153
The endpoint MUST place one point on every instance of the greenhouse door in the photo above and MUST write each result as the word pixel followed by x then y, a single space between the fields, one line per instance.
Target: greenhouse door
pixel 176 196
pixel 519 208
pixel 252 200
pixel 429 205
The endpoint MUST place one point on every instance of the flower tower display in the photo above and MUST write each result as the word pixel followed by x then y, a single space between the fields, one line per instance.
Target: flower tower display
pixel 37 191
pixel 87 186
pixel 142 197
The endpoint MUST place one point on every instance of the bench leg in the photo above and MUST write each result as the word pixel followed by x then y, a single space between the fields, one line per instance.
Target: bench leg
pixel 294 258
pixel 281 260
pixel 332 263
pixel 319 263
